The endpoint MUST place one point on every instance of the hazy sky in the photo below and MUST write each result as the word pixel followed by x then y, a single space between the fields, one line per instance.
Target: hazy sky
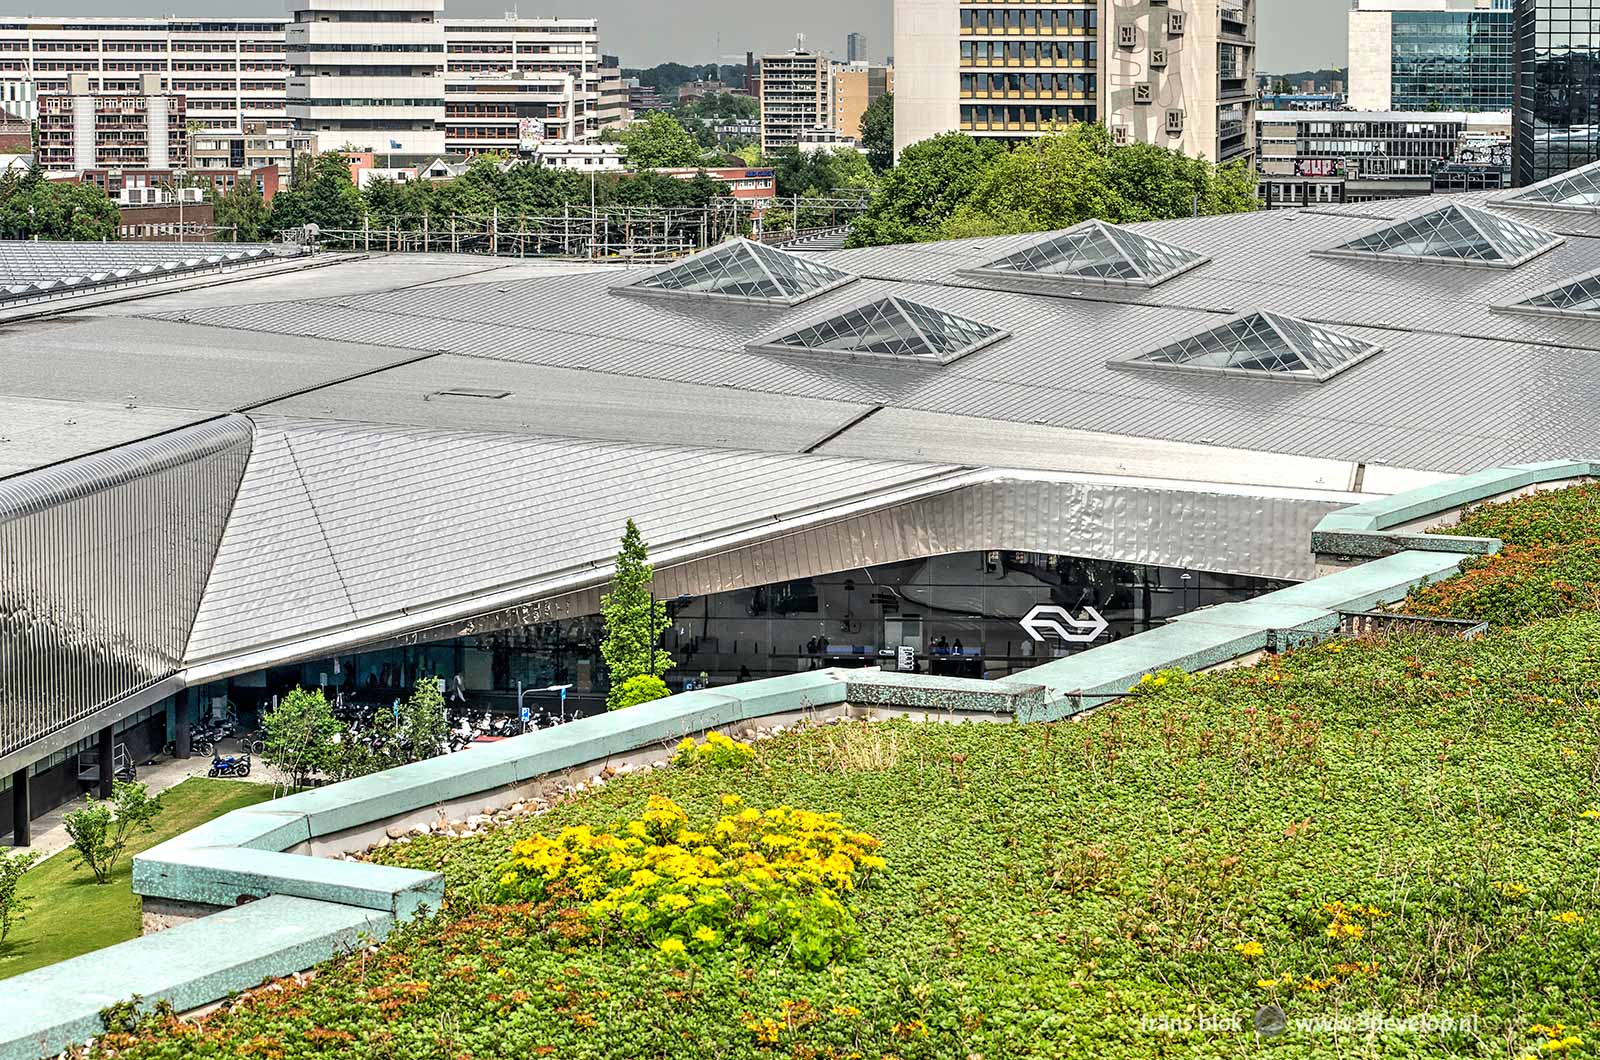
pixel 1294 34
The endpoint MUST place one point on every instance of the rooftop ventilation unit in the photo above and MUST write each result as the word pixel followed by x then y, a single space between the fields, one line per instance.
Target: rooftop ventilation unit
pixel 742 270
pixel 890 329
pixel 1094 252
pixel 1577 189
pixel 1452 234
pixel 1259 345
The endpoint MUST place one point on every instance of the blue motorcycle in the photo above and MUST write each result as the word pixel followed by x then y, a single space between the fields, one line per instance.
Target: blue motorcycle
pixel 229 766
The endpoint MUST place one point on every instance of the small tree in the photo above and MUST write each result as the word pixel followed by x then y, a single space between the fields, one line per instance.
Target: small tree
pixel 12 904
pixel 422 718
pixel 877 132
pixel 300 734
pixel 633 618
pixel 101 830
pixel 660 141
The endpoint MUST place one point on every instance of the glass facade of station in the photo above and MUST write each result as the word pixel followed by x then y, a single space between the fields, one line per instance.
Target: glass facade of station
pixel 1556 124
pixel 961 614
pixel 1452 60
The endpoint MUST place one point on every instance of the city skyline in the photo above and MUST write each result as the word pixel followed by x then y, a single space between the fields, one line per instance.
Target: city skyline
pixel 1311 35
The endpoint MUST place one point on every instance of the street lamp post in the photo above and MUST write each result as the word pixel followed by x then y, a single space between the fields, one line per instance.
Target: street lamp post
pixel 548 688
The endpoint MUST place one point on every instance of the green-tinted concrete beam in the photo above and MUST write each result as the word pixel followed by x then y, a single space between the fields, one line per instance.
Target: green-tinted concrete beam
pixel 47 1010
pixel 225 876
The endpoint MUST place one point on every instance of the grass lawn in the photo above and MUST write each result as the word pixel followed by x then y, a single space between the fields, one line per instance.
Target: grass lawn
pixel 69 914
pixel 1357 837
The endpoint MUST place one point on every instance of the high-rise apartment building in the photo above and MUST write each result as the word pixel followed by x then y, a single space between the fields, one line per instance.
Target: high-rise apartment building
pixel 855 48
pixel 1441 55
pixel 1556 123
pixel 1176 73
pixel 232 72
pixel 796 97
pixel 854 89
pixel 369 74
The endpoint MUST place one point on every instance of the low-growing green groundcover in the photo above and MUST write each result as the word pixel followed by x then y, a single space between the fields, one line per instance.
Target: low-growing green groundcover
pixel 69 914
pixel 1399 834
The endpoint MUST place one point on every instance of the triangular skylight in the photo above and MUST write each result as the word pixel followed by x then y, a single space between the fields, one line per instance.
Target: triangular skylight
pixel 743 270
pixel 1457 234
pixel 1096 252
pixel 1576 189
pixel 1571 298
pixel 1261 345
pixel 893 329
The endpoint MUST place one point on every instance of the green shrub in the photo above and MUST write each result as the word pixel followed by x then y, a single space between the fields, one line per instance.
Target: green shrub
pixel 12 904
pixel 1550 517
pixel 640 689
pixel 100 831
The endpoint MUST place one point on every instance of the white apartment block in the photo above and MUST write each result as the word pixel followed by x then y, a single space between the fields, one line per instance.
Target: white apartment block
pixel 796 97
pixel 1175 73
pixel 233 72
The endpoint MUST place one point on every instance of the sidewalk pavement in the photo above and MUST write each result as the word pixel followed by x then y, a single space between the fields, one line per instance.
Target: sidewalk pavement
pixel 50 829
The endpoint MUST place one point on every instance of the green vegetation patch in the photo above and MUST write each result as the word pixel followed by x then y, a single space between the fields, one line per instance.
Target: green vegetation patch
pixel 69 914
pixel 1375 847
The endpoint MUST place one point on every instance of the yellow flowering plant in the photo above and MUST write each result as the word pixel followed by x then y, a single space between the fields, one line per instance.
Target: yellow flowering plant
pixel 760 878
pixel 717 750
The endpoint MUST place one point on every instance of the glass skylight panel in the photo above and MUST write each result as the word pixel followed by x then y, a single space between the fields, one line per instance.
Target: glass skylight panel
pixel 892 328
pixel 1578 189
pixel 1457 234
pixel 1096 252
pixel 745 270
pixel 1575 298
pixel 1262 344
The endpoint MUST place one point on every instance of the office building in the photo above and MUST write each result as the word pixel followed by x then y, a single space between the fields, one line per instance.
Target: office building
pixel 513 112
pixel 1440 55
pixel 854 89
pixel 1309 158
pixel 1179 76
pixel 228 70
pixel 612 110
pixel 1557 102
pixel 796 96
pixel 855 48
pixel 232 73
pixel 369 75
pixel 82 130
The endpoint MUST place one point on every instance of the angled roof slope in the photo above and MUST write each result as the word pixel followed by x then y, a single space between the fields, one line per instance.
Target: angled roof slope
pixel 744 270
pixel 894 328
pixel 1261 345
pixel 1456 234
pixel 1097 252
pixel 1577 189
pixel 329 516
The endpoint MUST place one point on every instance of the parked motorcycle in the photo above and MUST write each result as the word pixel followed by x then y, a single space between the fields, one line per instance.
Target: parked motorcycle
pixel 229 765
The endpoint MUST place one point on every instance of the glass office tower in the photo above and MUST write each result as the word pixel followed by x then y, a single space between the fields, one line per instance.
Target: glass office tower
pixel 1557 119
pixel 1452 60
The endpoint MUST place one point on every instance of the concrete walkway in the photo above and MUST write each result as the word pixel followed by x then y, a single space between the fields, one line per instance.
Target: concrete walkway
pixel 50 829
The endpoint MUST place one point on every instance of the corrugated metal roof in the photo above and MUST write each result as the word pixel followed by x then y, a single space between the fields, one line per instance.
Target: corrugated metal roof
pixel 354 522
pixel 32 270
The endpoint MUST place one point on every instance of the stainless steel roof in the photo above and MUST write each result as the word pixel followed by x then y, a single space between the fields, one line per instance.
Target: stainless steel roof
pixel 1459 387
pixel 355 522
